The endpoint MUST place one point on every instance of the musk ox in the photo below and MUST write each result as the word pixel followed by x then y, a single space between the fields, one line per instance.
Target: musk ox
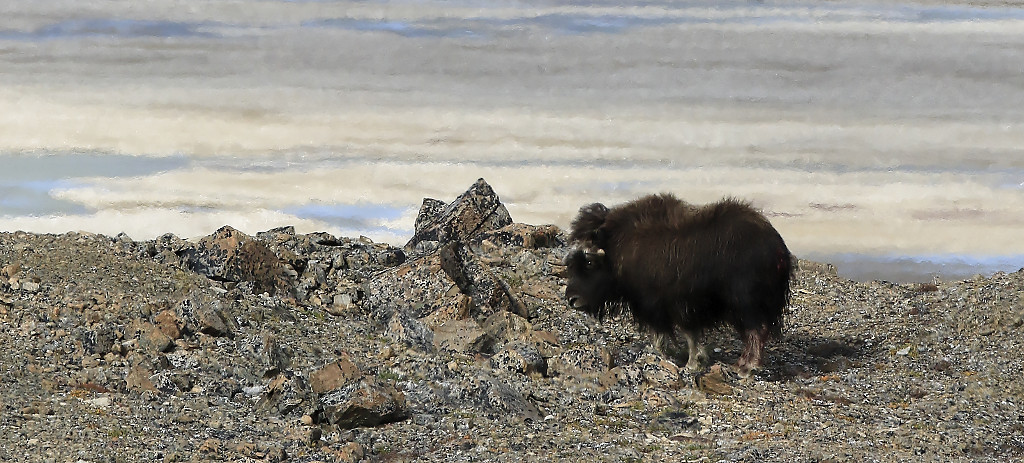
pixel 685 268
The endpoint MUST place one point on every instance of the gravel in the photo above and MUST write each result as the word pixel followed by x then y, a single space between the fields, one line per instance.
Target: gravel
pixel 117 350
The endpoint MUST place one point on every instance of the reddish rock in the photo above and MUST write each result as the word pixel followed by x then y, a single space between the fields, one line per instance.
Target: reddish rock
pixel 230 255
pixel 334 375
pixel 168 323
pixel 153 340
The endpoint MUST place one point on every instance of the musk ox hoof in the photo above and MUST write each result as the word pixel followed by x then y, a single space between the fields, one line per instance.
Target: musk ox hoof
pixel 745 371
pixel 698 362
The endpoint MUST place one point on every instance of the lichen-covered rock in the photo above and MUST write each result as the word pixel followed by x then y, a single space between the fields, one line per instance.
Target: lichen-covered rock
pixel 230 255
pixel 506 326
pixel 520 357
pixel 520 235
pixel 475 211
pixel 488 292
pixel 367 402
pixel 428 214
pixel 462 336
pixel 419 287
pixel 153 340
pixel 438 283
pixel 168 323
pixel 99 339
pixel 413 333
pixel 284 394
pixel 717 381
pixel 493 397
pixel 203 313
pixel 583 360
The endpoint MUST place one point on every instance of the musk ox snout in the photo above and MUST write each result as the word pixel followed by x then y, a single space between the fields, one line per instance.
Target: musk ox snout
pixel 590 281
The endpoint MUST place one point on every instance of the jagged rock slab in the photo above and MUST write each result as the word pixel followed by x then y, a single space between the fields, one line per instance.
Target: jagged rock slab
pixel 476 211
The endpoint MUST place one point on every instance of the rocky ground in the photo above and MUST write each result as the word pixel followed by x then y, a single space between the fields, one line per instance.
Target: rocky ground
pixel 459 347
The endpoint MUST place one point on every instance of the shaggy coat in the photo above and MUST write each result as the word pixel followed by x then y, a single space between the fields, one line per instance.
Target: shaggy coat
pixel 681 267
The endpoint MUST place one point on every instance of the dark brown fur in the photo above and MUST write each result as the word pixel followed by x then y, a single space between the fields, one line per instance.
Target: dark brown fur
pixel 681 267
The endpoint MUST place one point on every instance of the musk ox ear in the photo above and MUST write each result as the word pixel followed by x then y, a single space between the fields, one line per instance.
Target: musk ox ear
pixel 586 228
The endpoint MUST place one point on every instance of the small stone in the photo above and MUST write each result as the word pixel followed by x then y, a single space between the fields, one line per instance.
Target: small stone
pixel 168 323
pixel 715 382
pixel 341 304
pixel 586 360
pixel 350 452
pixel 506 326
pixel 942 365
pixel 522 358
pixel 10 270
pixel 628 376
pixel 101 402
pixel 211 447
pixel 313 439
pixel 153 340
pixel 284 393
pixel 139 379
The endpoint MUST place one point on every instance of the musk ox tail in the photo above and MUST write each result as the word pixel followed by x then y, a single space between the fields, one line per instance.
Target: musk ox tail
pixel 777 304
pixel 586 227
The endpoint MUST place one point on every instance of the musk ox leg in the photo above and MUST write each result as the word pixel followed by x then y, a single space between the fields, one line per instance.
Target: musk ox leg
pixel 697 354
pixel 753 351
pixel 665 343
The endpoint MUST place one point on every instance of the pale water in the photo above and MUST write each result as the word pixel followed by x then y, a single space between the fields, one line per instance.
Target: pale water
pixel 887 138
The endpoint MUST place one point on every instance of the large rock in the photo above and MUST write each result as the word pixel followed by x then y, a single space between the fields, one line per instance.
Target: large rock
pixel 284 394
pixel 476 211
pixel 488 292
pixel 463 336
pixel 367 402
pixel 232 256
pixel 580 361
pixel 524 236
pixel 520 357
pixel 505 327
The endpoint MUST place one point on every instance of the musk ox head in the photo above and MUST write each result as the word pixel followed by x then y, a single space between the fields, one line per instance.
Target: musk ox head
pixel 591 282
